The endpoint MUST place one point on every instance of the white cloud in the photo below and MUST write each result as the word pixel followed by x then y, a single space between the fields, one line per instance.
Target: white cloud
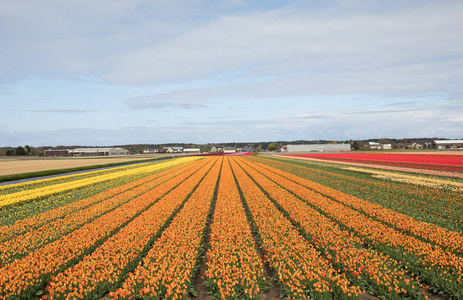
pixel 305 60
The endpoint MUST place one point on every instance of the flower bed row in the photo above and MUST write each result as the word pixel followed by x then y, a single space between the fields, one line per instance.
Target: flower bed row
pixel 27 210
pixel 39 183
pixel 24 276
pixel 19 246
pixel 167 270
pixel 367 268
pixel 423 159
pixel 448 239
pixel 299 267
pixel 442 269
pixel 101 270
pixel 235 269
pixel 441 207
pixel 28 195
pixel 32 223
pixel 444 168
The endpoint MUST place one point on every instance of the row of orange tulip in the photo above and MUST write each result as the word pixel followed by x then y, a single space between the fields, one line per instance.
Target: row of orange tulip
pixel 235 269
pixel 28 209
pixel 20 245
pixel 300 268
pixel 34 222
pixel 107 263
pixel 441 236
pixel 442 269
pixel 23 276
pixel 167 270
pixel 364 267
pixel 436 206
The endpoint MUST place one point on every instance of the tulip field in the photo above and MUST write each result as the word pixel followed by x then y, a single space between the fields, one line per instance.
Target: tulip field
pixel 442 162
pixel 234 227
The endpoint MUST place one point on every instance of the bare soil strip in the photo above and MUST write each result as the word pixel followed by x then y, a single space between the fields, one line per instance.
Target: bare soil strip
pixel 20 166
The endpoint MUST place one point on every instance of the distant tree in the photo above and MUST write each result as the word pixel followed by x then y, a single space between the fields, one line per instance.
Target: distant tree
pixel 28 149
pixel 9 152
pixel 395 146
pixel 271 147
pixel 384 141
pixel 404 142
pixel 259 148
pixel 356 145
pixel 20 151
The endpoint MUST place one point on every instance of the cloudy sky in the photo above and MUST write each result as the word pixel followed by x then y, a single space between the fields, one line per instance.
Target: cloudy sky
pixel 114 72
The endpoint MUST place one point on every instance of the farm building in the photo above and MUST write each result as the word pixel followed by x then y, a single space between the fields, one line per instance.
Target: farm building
pixel 229 149
pixel 448 144
pixel 374 145
pixel 192 150
pixel 173 149
pixel 318 147
pixel 98 152
pixel 56 152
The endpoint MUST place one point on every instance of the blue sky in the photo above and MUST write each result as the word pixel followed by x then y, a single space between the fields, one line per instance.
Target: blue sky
pixel 117 72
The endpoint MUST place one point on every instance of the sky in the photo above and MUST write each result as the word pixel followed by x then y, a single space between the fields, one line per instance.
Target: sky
pixel 115 72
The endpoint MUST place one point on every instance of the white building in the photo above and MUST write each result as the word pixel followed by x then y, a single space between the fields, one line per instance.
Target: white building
pixel 229 149
pixel 98 152
pixel 173 149
pixel 448 144
pixel 374 145
pixel 192 150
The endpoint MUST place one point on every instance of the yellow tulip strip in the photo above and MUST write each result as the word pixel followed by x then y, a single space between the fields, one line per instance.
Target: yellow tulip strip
pixel 28 195
pixel 107 263
pixel 22 244
pixel 124 191
pixel 23 275
pixel 169 266
pixel 38 183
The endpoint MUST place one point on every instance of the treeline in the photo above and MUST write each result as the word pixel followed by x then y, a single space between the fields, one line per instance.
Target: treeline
pixel 19 151
pixel 256 146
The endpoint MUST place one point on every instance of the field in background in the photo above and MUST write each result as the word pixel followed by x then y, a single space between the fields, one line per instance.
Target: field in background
pixel 27 165
pixel 233 227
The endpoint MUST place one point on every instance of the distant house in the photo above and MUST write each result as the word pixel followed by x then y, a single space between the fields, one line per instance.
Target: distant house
pixel 386 146
pixel 229 150
pixel 374 145
pixel 192 150
pixel 417 146
pixel 173 149
pixel 148 151
pixel 247 149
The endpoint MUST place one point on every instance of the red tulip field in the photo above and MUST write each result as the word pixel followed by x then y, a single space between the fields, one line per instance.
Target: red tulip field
pixel 236 227
pixel 443 162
